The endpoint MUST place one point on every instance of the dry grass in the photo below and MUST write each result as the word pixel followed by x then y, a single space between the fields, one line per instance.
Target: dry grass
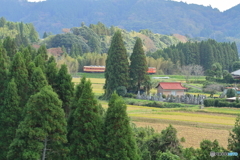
pixel 192 135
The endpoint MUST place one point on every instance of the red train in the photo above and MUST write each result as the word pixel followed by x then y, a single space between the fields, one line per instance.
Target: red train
pixel 101 69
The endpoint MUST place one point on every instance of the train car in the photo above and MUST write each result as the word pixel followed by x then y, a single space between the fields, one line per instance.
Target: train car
pixel 151 70
pixel 94 69
pixel 101 69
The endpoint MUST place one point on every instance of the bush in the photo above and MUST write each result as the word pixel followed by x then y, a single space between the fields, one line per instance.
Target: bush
pixel 121 90
pixel 130 95
pixel 182 139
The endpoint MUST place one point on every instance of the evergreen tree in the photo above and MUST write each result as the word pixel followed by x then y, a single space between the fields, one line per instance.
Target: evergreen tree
pixel 19 72
pixel 119 140
pixel 40 62
pixel 10 115
pixel 74 103
pixel 3 73
pixel 45 35
pixel 43 52
pixel 51 72
pixel 86 135
pixel 64 88
pixel 10 46
pixel 116 72
pixel 138 67
pixel 43 131
pixel 37 81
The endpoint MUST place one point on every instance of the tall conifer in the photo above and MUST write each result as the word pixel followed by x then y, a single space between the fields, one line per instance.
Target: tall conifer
pixel 51 72
pixel 64 88
pixel 19 72
pixel 10 115
pixel 37 81
pixel 3 73
pixel 119 140
pixel 117 72
pixel 138 67
pixel 43 131
pixel 86 136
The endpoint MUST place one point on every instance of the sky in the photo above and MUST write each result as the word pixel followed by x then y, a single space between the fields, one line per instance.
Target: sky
pixel 222 5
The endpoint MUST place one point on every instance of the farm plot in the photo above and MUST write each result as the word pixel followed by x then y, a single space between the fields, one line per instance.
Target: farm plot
pixel 193 124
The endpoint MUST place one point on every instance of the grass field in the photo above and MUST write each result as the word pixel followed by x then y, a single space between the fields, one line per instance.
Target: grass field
pixel 191 123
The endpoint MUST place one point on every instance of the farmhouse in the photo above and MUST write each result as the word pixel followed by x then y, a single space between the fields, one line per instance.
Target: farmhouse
pixel 170 88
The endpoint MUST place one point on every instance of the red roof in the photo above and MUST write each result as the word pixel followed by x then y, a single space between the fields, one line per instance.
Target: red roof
pixel 171 85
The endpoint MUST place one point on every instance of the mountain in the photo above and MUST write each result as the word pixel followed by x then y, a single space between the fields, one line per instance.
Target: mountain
pixel 159 16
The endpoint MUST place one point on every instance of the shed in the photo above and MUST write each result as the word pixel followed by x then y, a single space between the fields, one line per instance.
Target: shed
pixel 171 88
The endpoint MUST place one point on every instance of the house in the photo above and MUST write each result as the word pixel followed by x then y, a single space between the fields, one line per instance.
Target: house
pixel 170 88
pixel 236 74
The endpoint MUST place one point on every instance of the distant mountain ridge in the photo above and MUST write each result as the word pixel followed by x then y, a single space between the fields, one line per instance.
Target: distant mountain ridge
pixel 159 16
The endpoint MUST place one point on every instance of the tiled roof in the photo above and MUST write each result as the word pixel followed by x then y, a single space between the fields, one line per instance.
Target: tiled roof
pixel 171 85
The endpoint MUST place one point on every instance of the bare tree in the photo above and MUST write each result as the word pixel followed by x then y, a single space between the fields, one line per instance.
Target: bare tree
pixel 187 71
pixel 197 71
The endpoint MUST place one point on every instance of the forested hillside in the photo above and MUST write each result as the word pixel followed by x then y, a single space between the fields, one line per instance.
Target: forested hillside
pixel 160 16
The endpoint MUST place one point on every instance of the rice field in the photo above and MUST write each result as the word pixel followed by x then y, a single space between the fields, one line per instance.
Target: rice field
pixel 192 123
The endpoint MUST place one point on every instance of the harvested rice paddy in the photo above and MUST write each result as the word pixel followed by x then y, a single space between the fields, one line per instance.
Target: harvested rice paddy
pixel 193 124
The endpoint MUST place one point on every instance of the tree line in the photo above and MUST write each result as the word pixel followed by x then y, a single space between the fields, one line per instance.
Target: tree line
pixel 204 53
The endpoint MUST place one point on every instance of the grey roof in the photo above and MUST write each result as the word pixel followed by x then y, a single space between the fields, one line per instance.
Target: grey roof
pixel 236 73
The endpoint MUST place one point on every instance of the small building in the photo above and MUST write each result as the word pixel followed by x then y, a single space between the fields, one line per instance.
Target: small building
pixel 171 88
pixel 236 74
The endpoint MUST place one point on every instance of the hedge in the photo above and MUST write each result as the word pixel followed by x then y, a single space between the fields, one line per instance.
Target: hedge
pixel 220 103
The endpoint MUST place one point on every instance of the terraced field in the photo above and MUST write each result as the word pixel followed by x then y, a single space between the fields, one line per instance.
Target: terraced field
pixel 191 123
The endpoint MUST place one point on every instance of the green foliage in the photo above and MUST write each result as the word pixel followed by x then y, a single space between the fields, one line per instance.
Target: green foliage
pixel 116 72
pixel 234 137
pixel 22 33
pixel 166 141
pixel 208 54
pixel 168 156
pixel 67 40
pixel 51 72
pixel 10 47
pixel 4 73
pixel 119 139
pixel 10 116
pixel 43 131
pixel 85 135
pixel 64 88
pixel 19 72
pixel 138 67
pixel 37 81
pixel 121 90
pixel 206 146
pixel 231 93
